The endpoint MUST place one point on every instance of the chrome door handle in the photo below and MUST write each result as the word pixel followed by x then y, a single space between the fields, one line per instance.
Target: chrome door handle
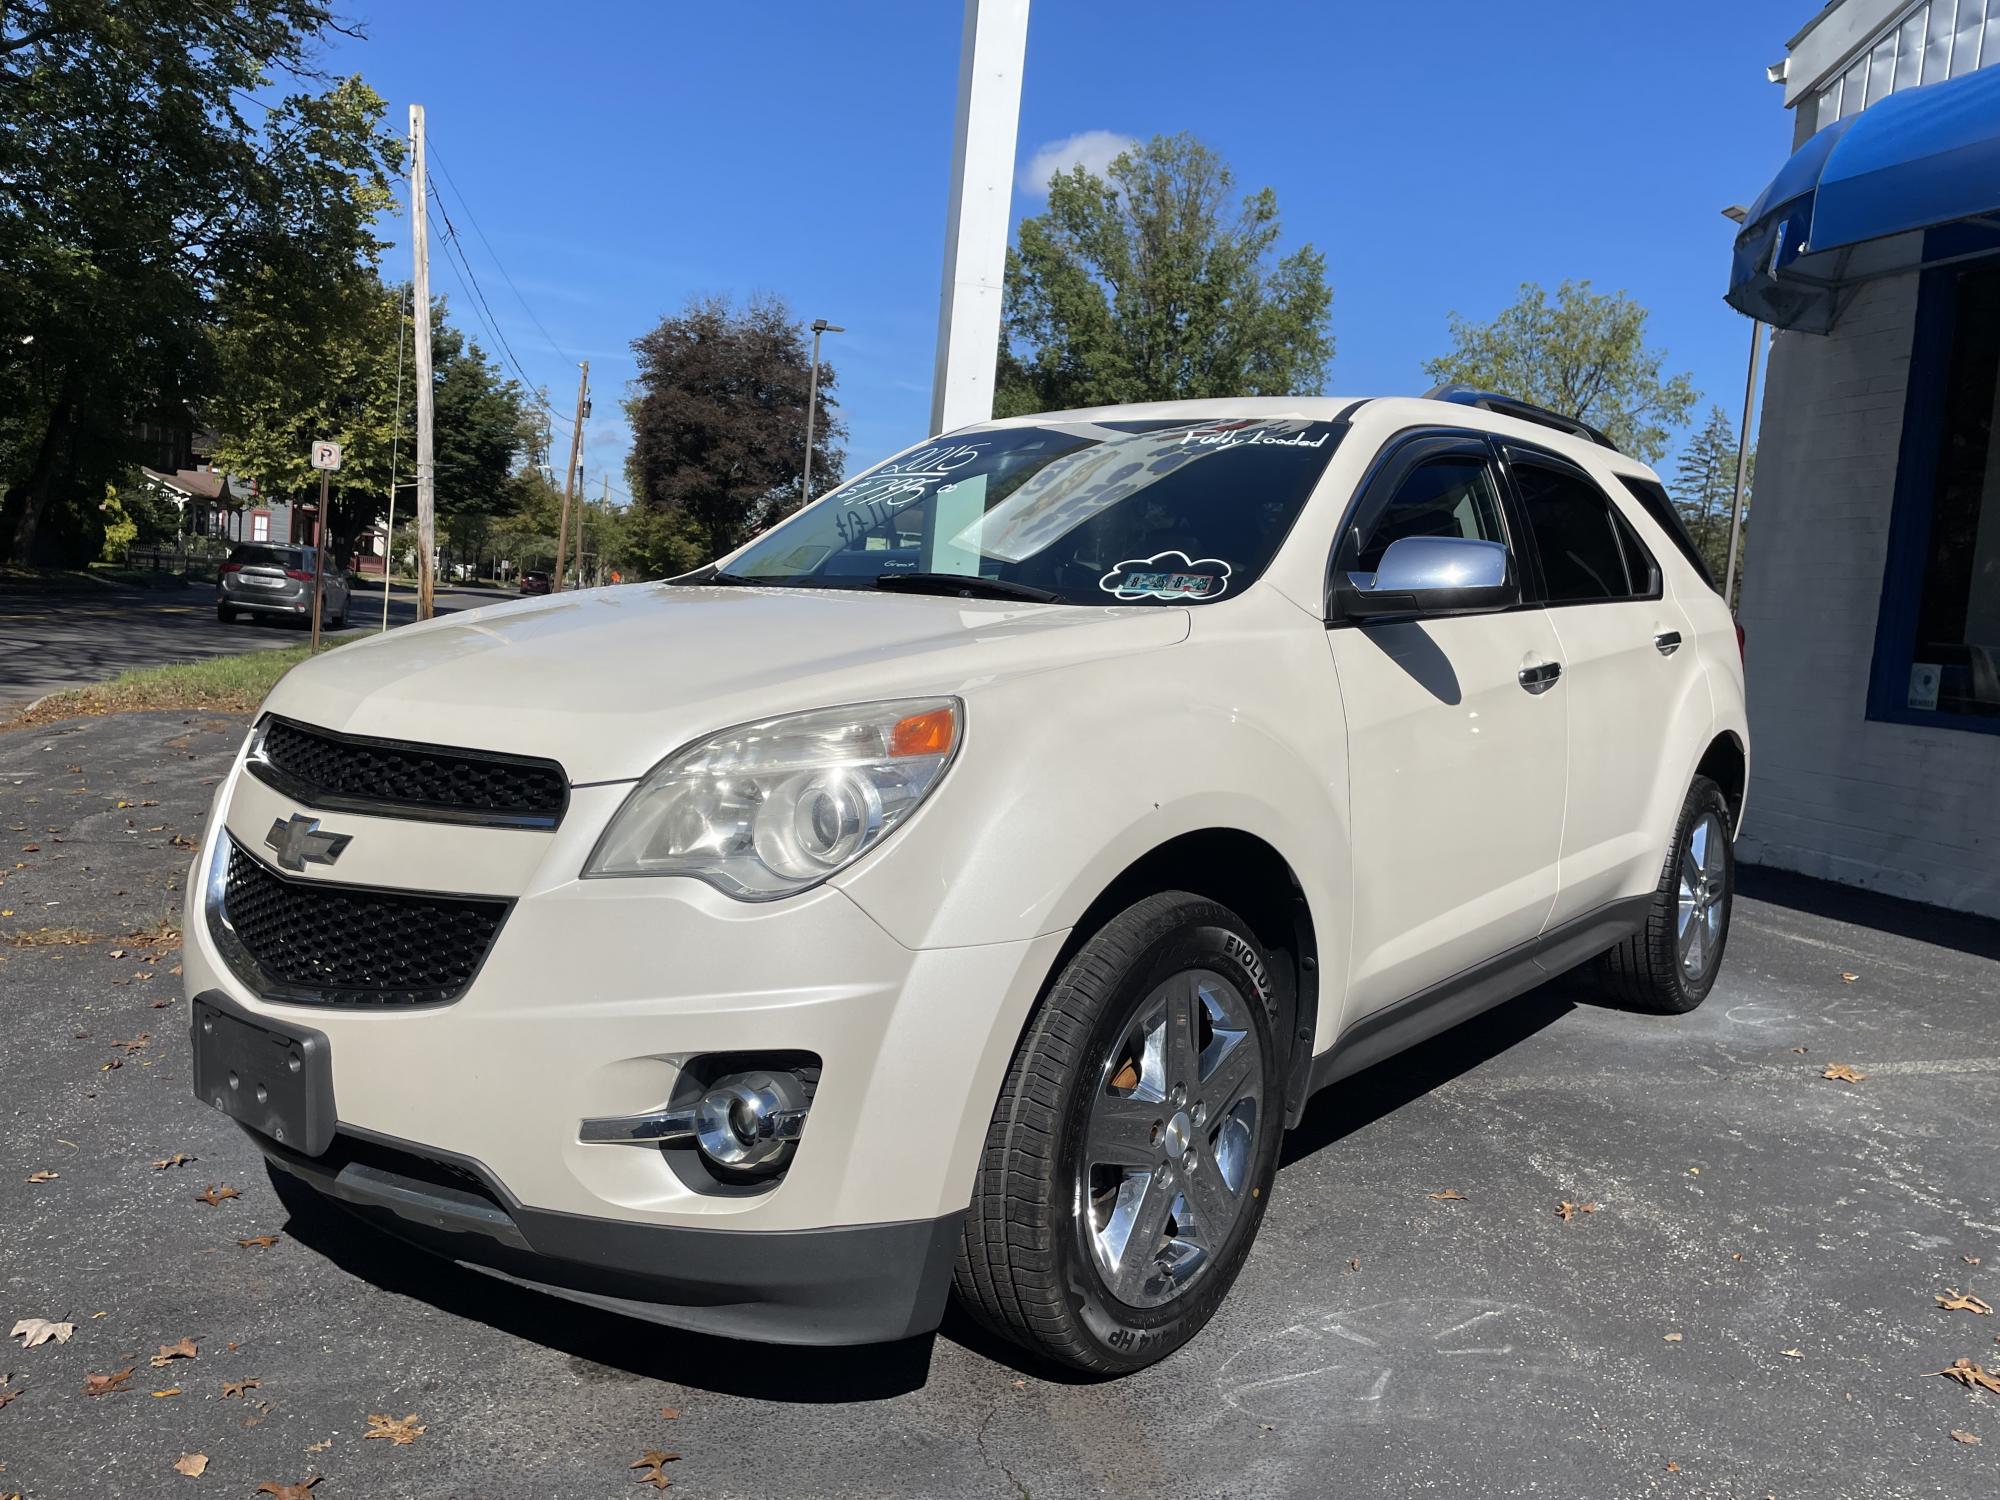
pixel 1540 677
pixel 1667 642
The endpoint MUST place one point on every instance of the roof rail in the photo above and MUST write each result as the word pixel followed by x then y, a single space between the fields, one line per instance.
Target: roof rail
pixel 1513 406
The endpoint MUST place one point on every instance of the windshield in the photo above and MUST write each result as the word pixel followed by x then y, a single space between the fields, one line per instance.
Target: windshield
pixel 1140 512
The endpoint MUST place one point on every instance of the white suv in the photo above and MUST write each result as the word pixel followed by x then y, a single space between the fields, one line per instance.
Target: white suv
pixel 967 882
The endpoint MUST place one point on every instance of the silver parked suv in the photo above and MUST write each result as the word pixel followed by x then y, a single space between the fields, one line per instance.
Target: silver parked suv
pixel 262 579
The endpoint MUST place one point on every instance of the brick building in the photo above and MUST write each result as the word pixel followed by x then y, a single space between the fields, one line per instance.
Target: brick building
pixel 1871 599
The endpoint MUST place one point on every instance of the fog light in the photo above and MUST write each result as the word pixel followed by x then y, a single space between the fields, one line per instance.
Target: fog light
pixel 749 1120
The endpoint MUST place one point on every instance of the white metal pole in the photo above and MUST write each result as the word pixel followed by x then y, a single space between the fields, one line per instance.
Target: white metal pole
pixel 991 55
pixel 420 308
pixel 1742 463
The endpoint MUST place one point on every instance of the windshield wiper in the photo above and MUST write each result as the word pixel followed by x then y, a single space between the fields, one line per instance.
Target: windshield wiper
pixel 965 586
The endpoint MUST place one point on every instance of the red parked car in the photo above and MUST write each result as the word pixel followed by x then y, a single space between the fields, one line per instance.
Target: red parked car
pixel 533 583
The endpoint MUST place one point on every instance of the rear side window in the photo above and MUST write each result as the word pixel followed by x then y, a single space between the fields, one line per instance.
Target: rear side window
pixel 265 557
pixel 1640 566
pixel 1654 500
pixel 1576 539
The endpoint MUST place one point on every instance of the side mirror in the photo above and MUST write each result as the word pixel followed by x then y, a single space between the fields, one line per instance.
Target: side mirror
pixel 1428 575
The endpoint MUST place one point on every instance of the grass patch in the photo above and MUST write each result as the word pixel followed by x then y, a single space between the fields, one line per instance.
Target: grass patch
pixel 225 684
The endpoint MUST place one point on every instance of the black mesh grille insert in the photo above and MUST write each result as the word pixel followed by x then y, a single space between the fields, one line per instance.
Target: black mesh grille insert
pixel 346 945
pixel 325 769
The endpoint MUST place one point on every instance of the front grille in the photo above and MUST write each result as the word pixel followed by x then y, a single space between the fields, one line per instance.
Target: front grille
pixel 327 944
pixel 391 778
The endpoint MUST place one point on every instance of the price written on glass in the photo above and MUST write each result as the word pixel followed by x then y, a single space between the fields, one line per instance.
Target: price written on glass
pixel 871 500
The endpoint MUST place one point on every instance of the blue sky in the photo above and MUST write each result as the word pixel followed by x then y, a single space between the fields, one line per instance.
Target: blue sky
pixel 622 155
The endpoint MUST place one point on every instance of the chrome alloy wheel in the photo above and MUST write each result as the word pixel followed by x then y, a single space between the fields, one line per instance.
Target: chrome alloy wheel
pixel 1164 1170
pixel 1704 894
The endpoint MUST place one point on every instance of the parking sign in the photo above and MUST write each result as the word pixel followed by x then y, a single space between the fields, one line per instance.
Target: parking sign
pixel 326 455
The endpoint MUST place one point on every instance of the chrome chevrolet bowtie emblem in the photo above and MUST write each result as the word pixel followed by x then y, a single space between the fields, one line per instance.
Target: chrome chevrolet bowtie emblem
pixel 299 842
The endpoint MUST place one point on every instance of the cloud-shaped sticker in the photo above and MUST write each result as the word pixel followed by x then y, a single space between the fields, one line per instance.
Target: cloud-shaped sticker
pixel 1168 575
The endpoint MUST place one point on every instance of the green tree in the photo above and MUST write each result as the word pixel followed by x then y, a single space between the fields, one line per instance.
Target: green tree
pixel 1155 282
pixel 1704 491
pixel 1583 354
pixel 132 190
pixel 718 417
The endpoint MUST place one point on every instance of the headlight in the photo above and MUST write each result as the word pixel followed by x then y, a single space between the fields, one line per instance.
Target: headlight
pixel 768 809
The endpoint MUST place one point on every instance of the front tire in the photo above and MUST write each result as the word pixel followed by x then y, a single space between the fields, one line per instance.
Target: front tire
pixel 1669 965
pixel 1132 1150
pixel 225 614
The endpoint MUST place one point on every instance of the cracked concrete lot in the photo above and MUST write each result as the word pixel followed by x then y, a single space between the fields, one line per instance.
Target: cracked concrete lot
pixel 1749 1310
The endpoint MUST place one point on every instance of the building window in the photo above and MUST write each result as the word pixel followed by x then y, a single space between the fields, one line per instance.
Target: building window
pixel 260 526
pixel 1938 642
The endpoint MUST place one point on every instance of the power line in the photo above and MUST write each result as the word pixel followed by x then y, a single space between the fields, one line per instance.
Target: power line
pixel 482 310
pixel 499 264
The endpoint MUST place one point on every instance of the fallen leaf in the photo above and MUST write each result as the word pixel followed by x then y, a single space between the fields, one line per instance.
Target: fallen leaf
pixel 319 1447
pixel 105 1385
pixel 670 1413
pixel 1842 1073
pixel 655 1462
pixel 178 1159
pixel 1800 1050
pixel 1126 1077
pixel 216 1194
pixel 1793 1353
pixel 36 1331
pixel 137 1044
pixel 1672 1467
pixel 1672 1338
pixel 185 1349
pixel 114 1063
pixel 1449 1195
pixel 259 1242
pixel 1694 1171
pixel 290 1491
pixel 1971 1376
pixel 8 1392
pixel 1970 1260
pixel 1354 1263
pixel 1953 1300
pixel 1848 978
pixel 1565 1210
pixel 43 1176
pixel 1965 1437
pixel 172 1390
pixel 238 1387
pixel 117 952
pixel 401 1431
pixel 191 1464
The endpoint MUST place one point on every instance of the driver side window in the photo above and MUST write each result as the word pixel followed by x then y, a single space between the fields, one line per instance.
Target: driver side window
pixel 1451 495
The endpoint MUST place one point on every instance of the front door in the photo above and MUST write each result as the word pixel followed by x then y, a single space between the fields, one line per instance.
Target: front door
pixel 1456 764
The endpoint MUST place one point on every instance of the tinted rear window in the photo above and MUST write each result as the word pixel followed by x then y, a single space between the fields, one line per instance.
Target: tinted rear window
pixel 1652 497
pixel 266 557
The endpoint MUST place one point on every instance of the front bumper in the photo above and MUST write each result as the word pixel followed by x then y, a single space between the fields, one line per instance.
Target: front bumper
pixel 857 1284
pixel 593 997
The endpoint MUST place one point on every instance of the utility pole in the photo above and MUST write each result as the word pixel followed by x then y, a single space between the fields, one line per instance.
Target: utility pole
pixel 820 326
pixel 569 475
pixel 420 307
pixel 990 59
pixel 395 440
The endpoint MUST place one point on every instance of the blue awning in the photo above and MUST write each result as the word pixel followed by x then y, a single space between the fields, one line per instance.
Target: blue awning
pixel 1854 202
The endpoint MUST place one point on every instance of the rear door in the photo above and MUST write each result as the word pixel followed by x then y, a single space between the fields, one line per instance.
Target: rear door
pixel 1456 764
pixel 1625 670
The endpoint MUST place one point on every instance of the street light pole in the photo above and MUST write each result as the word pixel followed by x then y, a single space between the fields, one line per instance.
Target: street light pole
pixel 820 326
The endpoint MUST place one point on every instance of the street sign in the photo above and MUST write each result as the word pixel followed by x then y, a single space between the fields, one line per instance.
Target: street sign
pixel 326 455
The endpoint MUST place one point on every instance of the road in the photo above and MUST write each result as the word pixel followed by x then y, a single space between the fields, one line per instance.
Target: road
pixel 54 638
pixel 1749 1310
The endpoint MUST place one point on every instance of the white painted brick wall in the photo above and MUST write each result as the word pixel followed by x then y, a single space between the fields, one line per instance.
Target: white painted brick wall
pixel 1909 811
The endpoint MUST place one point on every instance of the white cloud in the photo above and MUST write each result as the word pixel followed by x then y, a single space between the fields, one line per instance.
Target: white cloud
pixel 1091 150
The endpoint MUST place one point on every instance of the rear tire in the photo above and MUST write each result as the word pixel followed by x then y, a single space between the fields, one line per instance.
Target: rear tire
pixel 1669 965
pixel 1116 1200
pixel 225 614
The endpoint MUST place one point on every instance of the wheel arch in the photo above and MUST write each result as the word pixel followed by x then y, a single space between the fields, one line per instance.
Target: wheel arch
pixel 1245 873
pixel 1726 764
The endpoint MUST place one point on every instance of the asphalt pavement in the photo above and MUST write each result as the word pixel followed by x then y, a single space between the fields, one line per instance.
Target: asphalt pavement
pixel 55 637
pixel 1743 1302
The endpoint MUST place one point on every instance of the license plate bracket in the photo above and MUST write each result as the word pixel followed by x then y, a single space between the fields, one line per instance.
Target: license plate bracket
pixel 275 1078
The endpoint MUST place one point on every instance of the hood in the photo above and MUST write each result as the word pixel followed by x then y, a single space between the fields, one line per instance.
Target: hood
pixel 609 681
